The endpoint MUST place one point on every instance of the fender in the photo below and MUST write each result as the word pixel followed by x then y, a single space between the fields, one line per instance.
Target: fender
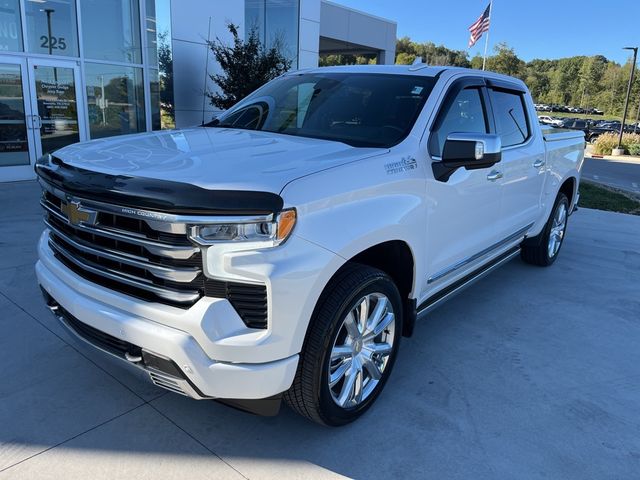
pixel 362 206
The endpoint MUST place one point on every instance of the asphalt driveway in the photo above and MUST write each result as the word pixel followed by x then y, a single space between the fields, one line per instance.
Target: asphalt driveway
pixel 621 173
pixel 531 373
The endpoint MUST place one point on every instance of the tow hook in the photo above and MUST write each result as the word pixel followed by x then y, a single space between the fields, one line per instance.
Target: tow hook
pixel 132 358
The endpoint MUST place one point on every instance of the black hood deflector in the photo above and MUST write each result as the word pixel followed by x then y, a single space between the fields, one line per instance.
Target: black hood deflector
pixel 154 194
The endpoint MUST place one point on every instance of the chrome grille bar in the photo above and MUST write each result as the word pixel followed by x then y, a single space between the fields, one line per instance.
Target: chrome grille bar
pixel 182 296
pixel 156 248
pixel 182 274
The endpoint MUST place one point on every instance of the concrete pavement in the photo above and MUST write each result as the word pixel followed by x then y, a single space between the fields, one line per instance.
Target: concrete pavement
pixel 531 373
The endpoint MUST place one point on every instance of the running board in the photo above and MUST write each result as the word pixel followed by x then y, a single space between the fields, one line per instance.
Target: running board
pixel 452 290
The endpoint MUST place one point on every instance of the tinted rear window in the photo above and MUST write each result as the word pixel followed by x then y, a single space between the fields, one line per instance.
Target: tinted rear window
pixel 510 116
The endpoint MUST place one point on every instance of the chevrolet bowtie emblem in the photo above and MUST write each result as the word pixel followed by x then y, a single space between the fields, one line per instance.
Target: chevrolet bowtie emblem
pixel 77 214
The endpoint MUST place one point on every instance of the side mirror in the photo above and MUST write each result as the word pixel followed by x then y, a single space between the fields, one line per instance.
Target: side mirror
pixel 469 150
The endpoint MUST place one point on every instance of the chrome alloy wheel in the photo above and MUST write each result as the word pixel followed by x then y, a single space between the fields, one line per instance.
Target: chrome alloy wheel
pixel 557 230
pixel 361 350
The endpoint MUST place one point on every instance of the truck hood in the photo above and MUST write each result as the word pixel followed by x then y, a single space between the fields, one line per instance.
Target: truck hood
pixel 213 158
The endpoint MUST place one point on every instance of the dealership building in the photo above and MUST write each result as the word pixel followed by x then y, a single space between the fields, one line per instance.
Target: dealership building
pixel 76 70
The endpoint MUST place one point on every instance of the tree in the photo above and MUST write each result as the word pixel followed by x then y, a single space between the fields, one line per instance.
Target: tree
pixel 505 61
pixel 246 66
pixel 580 81
pixel 407 51
pixel 404 58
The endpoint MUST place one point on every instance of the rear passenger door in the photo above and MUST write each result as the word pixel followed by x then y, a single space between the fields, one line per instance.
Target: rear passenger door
pixel 523 157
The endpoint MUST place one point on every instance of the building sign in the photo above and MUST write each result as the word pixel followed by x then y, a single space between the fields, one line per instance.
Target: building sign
pixel 51 27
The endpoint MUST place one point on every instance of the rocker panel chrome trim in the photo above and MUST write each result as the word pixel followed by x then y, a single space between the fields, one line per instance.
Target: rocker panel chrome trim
pixel 466 261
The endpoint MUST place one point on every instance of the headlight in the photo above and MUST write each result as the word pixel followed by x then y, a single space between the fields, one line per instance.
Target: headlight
pixel 251 234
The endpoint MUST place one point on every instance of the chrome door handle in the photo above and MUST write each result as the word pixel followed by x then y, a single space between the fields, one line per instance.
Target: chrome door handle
pixel 539 163
pixel 494 175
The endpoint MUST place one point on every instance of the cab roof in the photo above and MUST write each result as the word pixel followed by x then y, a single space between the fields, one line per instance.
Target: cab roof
pixel 419 69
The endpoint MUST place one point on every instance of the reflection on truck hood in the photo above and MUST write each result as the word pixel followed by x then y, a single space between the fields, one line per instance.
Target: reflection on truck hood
pixel 213 158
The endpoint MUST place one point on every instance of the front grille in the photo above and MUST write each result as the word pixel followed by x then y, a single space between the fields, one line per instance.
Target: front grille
pixel 153 261
pixel 126 255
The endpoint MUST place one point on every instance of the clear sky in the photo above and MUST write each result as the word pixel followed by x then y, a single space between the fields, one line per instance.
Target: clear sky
pixel 536 29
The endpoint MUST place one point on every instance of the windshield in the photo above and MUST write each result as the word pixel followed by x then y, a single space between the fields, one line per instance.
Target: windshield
pixel 362 110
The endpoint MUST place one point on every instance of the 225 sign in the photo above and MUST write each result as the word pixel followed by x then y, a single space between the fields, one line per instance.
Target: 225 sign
pixel 53 43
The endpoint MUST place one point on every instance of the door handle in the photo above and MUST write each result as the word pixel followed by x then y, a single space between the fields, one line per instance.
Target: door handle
pixel 494 175
pixel 539 163
pixel 38 122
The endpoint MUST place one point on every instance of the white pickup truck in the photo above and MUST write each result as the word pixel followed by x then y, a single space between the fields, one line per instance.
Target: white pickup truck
pixel 283 250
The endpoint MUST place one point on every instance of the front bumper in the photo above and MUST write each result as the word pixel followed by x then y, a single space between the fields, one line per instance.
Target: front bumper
pixel 197 375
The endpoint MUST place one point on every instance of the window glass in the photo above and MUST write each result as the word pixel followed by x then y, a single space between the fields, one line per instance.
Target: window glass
pixel 10 26
pixel 254 17
pixel 363 110
pixel 465 115
pixel 276 22
pixel 14 149
pixel 160 55
pixel 51 27
pixel 115 99
pixel 162 113
pixel 282 27
pixel 158 29
pixel 111 30
pixel 57 107
pixel 511 120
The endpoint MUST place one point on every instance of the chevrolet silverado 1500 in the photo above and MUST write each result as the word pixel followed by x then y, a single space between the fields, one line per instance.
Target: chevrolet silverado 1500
pixel 283 250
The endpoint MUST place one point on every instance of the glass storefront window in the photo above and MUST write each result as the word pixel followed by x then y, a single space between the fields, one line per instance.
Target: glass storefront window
pixel 276 22
pixel 158 28
pixel 282 27
pixel 51 27
pixel 115 99
pixel 160 55
pixel 254 17
pixel 14 148
pixel 111 30
pixel 10 26
pixel 162 112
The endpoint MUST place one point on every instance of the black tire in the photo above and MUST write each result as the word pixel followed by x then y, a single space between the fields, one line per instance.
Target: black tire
pixel 310 395
pixel 535 250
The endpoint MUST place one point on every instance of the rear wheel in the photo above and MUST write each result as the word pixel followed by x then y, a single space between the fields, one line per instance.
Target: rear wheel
pixel 350 347
pixel 544 248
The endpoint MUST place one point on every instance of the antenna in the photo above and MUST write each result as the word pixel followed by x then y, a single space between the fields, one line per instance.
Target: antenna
pixel 206 74
pixel 417 61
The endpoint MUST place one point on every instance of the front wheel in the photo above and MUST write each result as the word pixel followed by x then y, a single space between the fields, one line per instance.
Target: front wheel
pixel 350 347
pixel 544 248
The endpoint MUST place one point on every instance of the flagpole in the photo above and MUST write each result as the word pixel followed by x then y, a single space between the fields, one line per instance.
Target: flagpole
pixel 486 40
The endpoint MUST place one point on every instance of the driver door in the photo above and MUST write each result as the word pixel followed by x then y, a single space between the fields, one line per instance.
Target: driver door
pixel 463 211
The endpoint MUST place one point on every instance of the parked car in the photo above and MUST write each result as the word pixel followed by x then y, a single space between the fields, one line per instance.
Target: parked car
pixel 591 132
pixel 547 120
pixel 282 250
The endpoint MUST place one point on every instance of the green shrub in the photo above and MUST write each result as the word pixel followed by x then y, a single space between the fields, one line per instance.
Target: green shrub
pixel 606 142
pixel 634 149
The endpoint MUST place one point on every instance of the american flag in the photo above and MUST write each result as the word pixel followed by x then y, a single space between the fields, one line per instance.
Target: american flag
pixel 480 26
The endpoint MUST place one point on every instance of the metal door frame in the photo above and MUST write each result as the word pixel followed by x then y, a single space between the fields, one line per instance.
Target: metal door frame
pixel 22 172
pixel 32 63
